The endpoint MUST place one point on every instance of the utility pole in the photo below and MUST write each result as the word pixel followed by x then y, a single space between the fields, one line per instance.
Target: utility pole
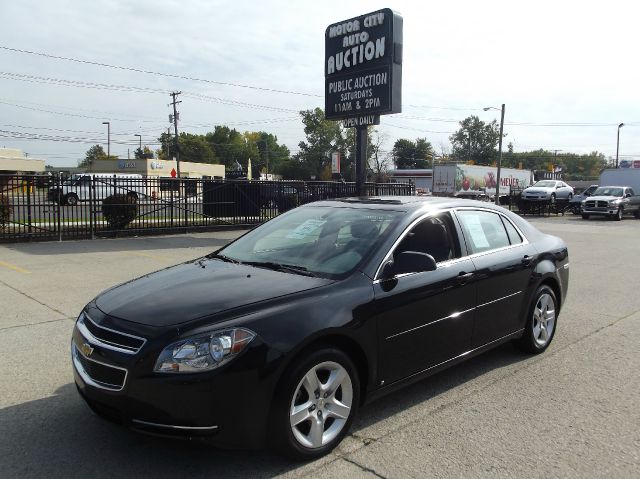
pixel 175 127
pixel 108 138
pixel 168 142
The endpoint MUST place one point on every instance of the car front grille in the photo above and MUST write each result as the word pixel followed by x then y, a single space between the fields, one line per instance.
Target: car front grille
pixel 97 373
pixel 596 204
pixel 109 338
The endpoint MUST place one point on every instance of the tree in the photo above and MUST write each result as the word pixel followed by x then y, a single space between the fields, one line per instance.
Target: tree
pixel 95 153
pixel 379 162
pixel 408 154
pixel 142 153
pixel 476 141
pixel 323 137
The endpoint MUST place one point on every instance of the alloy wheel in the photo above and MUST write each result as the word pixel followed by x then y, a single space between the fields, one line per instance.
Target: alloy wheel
pixel 321 404
pixel 544 319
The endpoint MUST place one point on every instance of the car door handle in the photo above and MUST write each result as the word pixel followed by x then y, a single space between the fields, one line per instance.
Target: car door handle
pixel 463 277
pixel 527 260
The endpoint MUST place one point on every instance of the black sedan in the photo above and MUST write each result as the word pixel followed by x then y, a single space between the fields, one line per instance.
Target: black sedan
pixel 281 335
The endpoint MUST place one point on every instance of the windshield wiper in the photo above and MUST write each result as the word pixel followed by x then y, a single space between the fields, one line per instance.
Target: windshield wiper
pixel 223 258
pixel 289 268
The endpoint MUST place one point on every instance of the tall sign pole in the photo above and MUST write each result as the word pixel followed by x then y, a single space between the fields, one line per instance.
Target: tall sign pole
pixel 363 76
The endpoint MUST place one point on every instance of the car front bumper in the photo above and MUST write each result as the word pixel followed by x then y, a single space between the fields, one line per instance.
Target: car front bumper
pixel 231 403
pixel 600 211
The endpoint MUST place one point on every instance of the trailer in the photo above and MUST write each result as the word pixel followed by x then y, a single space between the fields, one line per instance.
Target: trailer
pixel 457 179
pixel 621 177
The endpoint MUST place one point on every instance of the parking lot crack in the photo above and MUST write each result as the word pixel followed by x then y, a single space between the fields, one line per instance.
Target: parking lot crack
pixel 64 316
pixel 364 468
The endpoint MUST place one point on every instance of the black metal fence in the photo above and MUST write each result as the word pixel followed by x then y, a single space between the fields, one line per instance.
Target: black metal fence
pixel 36 207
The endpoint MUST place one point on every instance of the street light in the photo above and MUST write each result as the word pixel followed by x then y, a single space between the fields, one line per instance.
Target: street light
pixel 499 149
pixel 139 136
pixel 618 143
pixel 108 138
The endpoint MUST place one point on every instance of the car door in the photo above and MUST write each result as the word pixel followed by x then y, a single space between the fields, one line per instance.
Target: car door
pixel 425 318
pixel 504 263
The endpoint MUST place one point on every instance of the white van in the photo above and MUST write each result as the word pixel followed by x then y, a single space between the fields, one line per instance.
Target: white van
pixel 79 187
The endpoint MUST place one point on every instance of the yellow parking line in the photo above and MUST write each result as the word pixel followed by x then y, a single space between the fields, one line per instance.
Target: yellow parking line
pixel 15 268
pixel 152 256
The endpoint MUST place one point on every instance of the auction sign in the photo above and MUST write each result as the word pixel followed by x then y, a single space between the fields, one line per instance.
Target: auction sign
pixel 363 68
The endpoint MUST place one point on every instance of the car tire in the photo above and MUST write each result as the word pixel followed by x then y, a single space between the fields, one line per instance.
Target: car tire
pixel 71 200
pixel 637 214
pixel 316 405
pixel 585 216
pixel 619 214
pixel 570 196
pixel 542 319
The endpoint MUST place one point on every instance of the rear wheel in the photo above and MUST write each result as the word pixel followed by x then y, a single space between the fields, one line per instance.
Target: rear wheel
pixel 71 199
pixel 316 406
pixel 541 322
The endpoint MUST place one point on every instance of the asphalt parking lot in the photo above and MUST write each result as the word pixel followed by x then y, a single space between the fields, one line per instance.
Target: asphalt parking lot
pixel 571 412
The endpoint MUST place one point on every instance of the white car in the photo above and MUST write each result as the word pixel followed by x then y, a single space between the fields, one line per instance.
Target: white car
pixel 548 190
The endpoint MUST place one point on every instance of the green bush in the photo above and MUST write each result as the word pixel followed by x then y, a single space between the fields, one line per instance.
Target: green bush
pixel 119 210
pixel 6 208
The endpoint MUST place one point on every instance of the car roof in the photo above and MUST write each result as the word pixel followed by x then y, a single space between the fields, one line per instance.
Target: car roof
pixel 403 203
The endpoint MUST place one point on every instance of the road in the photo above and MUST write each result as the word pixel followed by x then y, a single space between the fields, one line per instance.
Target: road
pixel 572 412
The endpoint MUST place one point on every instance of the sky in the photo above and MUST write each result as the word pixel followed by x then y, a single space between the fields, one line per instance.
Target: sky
pixel 567 71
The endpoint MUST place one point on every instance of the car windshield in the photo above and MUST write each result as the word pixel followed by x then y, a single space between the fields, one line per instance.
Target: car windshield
pixel 545 184
pixel 317 240
pixel 608 191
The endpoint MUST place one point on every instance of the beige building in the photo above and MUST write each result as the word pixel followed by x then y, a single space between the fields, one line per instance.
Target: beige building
pixel 14 161
pixel 157 168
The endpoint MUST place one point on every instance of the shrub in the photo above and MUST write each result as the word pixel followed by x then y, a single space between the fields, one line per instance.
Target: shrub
pixel 119 210
pixel 6 208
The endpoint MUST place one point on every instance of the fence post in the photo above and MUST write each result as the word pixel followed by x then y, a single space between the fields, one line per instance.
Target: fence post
pixel 171 206
pixel 59 206
pixel 27 181
pixel 92 209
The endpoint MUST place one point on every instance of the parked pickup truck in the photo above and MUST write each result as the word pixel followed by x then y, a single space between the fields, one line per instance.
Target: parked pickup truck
pixel 613 202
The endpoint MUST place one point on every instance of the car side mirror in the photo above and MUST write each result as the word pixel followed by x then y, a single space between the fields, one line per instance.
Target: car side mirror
pixel 628 195
pixel 408 262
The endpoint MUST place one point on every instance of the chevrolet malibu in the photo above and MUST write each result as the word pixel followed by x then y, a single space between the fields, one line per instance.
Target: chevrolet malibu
pixel 280 336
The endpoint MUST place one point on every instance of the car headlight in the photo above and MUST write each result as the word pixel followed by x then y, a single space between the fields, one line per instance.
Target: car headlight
pixel 614 202
pixel 203 353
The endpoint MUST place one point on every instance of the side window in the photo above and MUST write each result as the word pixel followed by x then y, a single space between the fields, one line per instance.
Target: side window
pixel 483 230
pixel 435 236
pixel 514 237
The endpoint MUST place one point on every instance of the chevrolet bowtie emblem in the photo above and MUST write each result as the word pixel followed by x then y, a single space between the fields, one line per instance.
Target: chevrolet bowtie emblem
pixel 86 349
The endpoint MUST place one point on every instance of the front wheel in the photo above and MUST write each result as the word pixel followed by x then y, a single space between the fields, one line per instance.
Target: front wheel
pixel 316 406
pixel 619 214
pixel 541 322
pixel 585 216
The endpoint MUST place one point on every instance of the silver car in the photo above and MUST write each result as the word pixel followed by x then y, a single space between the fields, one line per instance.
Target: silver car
pixel 548 190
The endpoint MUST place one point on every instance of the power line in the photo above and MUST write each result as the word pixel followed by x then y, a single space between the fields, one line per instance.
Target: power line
pixel 131 88
pixel 74 114
pixel 150 72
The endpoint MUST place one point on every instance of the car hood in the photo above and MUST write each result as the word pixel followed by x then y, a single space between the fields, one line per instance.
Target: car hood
pixel 197 289
pixel 604 198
